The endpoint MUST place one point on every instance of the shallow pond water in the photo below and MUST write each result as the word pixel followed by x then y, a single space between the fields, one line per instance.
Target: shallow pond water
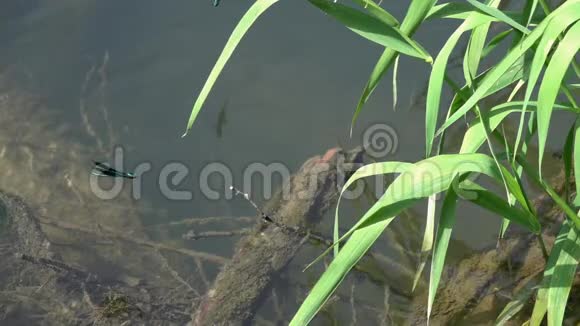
pixel 126 74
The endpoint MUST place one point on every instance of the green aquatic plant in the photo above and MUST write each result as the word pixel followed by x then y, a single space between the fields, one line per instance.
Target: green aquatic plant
pixel 539 39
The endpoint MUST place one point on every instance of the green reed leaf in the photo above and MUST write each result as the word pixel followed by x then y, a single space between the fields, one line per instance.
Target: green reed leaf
pixel 258 8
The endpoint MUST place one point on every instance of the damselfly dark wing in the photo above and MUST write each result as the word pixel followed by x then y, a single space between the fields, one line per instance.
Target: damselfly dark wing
pixel 126 175
pixel 103 169
pixel 103 166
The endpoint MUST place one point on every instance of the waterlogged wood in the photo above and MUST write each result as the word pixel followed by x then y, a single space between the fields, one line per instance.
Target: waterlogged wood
pixel 259 257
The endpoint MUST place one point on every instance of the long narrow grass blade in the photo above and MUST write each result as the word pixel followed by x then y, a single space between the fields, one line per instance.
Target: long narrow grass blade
pixel 541 305
pixel 455 10
pixel 531 132
pixel 372 29
pixel 553 30
pixel 576 201
pixel 431 176
pixel 462 10
pixel 378 12
pixel 427 245
pixel 526 204
pixel 351 253
pixel 470 64
pixel 475 135
pixel 495 73
pixel 438 74
pixel 529 9
pixel 423 179
pixel 533 176
pixel 517 71
pixel 516 305
pixel 475 47
pixel 368 170
pixel 395 69
pixel 562 278
pixel 237 34
pixel 497 14
pixel 492 202
pixel 567 155
pixel 487 132
pixel 515 90
pixel 446 223
pixel 564 54
pixel 415 16
pixel 495 42
pixel 505 222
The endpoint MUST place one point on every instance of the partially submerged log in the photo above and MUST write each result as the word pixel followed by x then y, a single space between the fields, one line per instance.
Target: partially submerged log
pixel 260 256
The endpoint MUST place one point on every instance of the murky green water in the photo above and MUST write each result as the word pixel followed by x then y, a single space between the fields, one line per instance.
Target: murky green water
pixel 287 94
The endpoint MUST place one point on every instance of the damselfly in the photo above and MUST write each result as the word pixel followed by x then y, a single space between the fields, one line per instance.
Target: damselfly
pixel 104 170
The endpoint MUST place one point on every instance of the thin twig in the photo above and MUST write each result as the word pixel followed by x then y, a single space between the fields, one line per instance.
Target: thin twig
pixel 386 305
pixel 302 288
pixel 48 279
pixel 175 274
pixel 277 306
pixel 59 267
pixel 206 220
pixel 308 235
pixel 83 111
pixel 102 71
pixel 192 235
pixel 314 236
pixel 143 242
pixel 201 272
pixel 247 197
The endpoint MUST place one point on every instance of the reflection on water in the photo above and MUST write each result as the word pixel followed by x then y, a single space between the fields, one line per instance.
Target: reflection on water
pixel 80 77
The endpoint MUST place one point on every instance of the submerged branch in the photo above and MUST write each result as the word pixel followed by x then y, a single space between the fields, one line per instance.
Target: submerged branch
pixel 142 242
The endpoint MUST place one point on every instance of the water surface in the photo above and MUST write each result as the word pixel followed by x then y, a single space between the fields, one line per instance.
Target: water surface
pixel 290 89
